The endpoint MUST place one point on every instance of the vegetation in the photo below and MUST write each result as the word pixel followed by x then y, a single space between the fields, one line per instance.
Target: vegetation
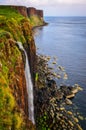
pixel 42 122
pixel 13 27
pixel 35 20
pixel 9 117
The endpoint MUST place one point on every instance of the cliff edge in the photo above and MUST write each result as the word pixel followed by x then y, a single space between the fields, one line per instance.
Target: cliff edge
pixel 36 17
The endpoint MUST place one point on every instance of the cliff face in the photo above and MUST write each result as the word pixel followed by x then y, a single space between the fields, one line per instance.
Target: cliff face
pixel 27 12
pixel 40 13
pixel 13 91
pixel 29 46
pixel 33 11
pixel 35 16
pixel 21 9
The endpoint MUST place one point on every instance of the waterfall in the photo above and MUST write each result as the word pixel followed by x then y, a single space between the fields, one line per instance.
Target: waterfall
pixel 29 85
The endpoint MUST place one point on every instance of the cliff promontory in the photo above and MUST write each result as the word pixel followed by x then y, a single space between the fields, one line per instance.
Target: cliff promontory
pixel 35 16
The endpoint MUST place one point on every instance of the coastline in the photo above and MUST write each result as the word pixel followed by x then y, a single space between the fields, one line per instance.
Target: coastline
pixel 52 100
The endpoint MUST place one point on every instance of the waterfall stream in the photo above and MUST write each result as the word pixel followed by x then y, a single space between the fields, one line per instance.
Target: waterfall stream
pixel 29 85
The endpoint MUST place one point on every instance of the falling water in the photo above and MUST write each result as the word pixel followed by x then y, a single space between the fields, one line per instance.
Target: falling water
pixel 29 85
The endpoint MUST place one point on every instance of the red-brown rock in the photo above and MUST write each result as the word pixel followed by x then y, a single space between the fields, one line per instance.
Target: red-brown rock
pixel 33 11
pixel 40 13
pixel 21 9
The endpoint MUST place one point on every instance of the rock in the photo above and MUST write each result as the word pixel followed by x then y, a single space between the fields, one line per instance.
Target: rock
pixel 65 76
pixel 61 68
pixel 70 95
pixel 52 113
pixel 80 89
pixel 76 120
pixel 79 127
pixel 33 11
pixel 54 74
pixel 50 68
pixel 56 99
pixel 69 112
pixel 48 57
pixel 59 95
pixel 58 76
pixel 51 83
pixel 62 108
pixel 71 124
pixel 67 91
pixel 68 102
pixel 74 90
pixel 60 115
pixel 80 117
pixel 64 88
pixel 52 100
pixel 54 62
pixel 21 9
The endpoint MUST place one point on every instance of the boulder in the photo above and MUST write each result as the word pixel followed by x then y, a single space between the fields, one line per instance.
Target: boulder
pixel 68 102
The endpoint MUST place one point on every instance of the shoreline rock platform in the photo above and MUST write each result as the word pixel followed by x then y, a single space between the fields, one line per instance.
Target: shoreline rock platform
pixel 51 113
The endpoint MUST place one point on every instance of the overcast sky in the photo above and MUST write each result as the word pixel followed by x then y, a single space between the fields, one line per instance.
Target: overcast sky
pixel 53 7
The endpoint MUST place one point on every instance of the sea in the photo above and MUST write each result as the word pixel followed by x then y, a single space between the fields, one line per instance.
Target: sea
pixel 65 38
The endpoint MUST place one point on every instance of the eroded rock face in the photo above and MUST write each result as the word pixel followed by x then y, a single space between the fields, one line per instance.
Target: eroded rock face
pixel 21 9
pixel 33 11
pixel 40 13
pixel 30 11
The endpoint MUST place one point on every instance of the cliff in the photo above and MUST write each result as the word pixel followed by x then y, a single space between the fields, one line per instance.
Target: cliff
pixel 13 93
pixel 21 9
pixel 33 11
pixel 35 16
pixel 50 102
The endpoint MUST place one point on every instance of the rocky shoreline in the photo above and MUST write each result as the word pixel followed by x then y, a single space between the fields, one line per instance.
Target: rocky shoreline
pixel 51 100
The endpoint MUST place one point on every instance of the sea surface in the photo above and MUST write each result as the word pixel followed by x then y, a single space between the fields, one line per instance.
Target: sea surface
pixel 65 38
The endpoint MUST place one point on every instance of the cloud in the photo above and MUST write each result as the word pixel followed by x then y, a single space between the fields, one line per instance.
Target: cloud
pixel 41 2
pixel 72 1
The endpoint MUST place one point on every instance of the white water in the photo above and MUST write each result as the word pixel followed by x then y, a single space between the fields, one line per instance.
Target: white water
pixel 29 85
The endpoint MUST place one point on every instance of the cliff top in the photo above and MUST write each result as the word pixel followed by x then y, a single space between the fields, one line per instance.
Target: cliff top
pixel 9 12
pixel 34 16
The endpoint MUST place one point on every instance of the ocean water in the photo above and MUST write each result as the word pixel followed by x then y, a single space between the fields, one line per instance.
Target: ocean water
pixel 65 38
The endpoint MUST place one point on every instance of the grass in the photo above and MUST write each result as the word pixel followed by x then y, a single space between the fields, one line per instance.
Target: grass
pixel 9 12
pixel 35 21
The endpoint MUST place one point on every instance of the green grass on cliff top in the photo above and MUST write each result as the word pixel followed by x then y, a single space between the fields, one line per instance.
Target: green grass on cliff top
pixel 9 12
pixel 10 21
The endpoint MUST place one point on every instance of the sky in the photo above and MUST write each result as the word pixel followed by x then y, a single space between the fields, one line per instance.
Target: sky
pixel 53 7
